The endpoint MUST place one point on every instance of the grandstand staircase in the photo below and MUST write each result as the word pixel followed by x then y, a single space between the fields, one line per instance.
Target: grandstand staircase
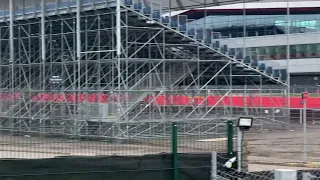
pixel 179 74
pixel 177 27
pixel 174 75
pixel 122 109
pixel 154 14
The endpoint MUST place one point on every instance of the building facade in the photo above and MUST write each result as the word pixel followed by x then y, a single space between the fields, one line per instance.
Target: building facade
pixel 284 34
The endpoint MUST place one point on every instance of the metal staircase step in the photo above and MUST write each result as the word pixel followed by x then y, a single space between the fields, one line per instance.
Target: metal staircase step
pixel 205 37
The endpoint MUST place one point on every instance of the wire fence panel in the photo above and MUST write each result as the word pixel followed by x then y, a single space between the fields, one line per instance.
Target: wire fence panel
pixel 270 149
pixel 206 136
pixel 150 153
pixel 135 152
pixel 33 146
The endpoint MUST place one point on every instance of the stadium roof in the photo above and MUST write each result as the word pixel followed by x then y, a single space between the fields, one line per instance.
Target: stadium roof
pixel 258 5
pixel 183 4
pixel 191 4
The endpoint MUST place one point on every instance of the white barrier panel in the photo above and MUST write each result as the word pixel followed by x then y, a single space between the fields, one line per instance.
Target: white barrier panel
pixel 285 174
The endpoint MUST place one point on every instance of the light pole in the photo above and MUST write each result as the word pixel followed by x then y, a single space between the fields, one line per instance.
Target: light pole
pixel 304 97
pixel 244 124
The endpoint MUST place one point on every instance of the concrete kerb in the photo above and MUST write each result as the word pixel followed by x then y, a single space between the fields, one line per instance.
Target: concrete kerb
pixel 291 164
pixel 301 164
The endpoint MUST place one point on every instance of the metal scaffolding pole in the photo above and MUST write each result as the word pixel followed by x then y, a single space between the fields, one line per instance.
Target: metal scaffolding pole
pixel 118 36
pixel 288 59
pixel 43 58
pixel 119 45
pixel 12 58
pixel 78 49
pixel 11 32
pixel 136 73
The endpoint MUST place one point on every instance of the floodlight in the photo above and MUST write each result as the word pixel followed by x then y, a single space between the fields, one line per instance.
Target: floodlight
pixel 245 123
pixel 228 164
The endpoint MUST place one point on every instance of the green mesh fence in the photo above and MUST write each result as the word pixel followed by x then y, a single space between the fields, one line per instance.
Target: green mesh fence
pixel 141 150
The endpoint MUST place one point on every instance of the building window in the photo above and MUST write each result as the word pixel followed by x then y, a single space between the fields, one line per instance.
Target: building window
pixel 280 52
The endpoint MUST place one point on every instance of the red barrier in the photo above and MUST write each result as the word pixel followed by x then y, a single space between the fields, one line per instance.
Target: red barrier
pixel 237 101
pixel 7 96
pixel 69 98
pixel 176 100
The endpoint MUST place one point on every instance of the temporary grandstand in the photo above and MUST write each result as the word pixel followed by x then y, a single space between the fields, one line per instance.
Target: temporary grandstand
pixel 125 69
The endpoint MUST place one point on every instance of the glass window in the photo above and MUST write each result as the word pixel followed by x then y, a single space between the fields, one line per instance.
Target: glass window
pixel 318 23
pixel 272 52
pixel 298 24
pixel 261 52
pixel 281 52
pixel 253 52
pixel 311 50
pixel 251 20
pixel 302 51
pixel 293 51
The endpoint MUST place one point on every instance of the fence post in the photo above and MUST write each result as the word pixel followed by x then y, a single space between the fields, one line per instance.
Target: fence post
pixel 245 154
pixel 239 148
pixel 230 138
pixel 175 151
pixel 213 165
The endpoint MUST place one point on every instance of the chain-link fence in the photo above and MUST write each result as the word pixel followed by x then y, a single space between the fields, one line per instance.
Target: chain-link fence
pixel 296 146
pixel 134 154
pixel 267 175
pixel 221 171
pixel 184 147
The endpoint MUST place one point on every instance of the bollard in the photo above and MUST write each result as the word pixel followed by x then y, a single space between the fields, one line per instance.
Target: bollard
pixel 285 174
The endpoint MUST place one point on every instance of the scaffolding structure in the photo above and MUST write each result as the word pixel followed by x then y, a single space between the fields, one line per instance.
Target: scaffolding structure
pixel 115 69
